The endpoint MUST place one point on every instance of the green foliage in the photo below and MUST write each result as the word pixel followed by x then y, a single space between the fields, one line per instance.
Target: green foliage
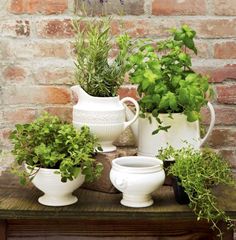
pixel 166 82
pixel 93 44
pixel 49 143
pixel 199 172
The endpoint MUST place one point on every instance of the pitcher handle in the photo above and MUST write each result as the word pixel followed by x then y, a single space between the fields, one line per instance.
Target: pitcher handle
pixel 212 123
pixel 129 99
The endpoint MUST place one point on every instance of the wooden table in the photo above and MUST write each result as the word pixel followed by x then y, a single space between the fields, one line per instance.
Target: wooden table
pixel 100 214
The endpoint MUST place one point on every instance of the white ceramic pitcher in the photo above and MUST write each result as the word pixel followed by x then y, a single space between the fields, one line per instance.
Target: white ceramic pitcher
pixel 105 116
pixel 180 134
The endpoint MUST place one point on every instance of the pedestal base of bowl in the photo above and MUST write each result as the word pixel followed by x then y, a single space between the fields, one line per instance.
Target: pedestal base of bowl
pixel 57 201
pixel 135 201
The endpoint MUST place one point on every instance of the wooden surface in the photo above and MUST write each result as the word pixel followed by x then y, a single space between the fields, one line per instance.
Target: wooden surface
pixel 100 214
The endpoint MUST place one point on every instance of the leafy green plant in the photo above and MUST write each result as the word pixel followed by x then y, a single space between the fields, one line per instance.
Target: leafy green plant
pixel 199 171
pixel 165 79
pixel 93 44
pixel 49 143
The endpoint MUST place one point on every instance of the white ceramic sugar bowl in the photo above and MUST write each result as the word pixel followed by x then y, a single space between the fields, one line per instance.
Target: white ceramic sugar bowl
pixel 137 177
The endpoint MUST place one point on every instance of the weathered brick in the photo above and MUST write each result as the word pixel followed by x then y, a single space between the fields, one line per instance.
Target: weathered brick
pixel 21 115
pixel 213 28
pixel 202 50
pixel 15 28
pixel 224 7
pixel 36 48
pixel 4 136
pixel 221 137
pixel 37 6
pixel 55 74
pixel 225 50
pixel 226 94
pixel 224 115
pixel 143 27
pixel 36 95
pixel 219 74
pixel 95 8
pixel 64 113
pixel 230 156
pixel 14 73
pixel 177 7
pixel 54 28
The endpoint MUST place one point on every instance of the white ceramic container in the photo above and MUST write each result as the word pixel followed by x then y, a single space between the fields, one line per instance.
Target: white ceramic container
pixel 180 134
pixel 105 116
pixel 137 177
pixel 56 193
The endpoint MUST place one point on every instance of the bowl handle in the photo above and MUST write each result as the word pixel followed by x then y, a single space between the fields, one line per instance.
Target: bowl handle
pixel 121 183
pixel 212 123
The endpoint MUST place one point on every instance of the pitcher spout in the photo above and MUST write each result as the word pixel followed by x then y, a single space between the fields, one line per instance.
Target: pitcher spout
pixel 79 91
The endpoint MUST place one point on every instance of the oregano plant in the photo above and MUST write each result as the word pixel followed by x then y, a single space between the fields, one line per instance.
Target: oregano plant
pixel 165 78
pixel 50 143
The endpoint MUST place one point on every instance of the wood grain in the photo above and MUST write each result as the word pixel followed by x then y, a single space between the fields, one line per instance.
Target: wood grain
pixel 3 230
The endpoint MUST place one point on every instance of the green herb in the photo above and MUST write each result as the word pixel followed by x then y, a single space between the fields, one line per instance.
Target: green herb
pixel 49 143
pixel 199 172
pixel 166 82
pixel 93 44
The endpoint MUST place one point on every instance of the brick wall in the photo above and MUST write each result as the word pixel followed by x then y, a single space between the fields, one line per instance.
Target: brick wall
pixel 37 57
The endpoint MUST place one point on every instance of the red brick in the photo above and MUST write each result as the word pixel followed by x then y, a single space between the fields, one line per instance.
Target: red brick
pixel 55 28
pixel 219 74
pixel 128 91
pixel 17 6
pixel 213 28
pixel 225 50
pixel 225 7
pixel 64 113
pixel 226 94
pixel 176 7
pixel 224 115
pixel 221 137
pixel 55 74
pixel 37 6
pixel 23 115
pixel 36 95
pixel 14 73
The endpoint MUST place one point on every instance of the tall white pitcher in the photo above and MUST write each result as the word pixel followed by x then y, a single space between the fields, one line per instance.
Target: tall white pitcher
pixel 105 116
pixel 180 134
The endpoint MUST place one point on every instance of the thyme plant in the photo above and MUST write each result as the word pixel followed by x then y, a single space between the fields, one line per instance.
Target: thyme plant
pixel 95 73
pixel 47 142
pixel 199 172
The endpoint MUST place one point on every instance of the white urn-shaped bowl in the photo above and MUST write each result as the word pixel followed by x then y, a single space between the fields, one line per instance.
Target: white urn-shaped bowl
pixel 137 177
pixel 56 193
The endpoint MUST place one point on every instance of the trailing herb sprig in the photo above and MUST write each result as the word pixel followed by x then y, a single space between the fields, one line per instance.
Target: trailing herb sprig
pixel 199 171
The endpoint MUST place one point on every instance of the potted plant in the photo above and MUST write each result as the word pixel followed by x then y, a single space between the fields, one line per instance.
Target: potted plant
pixel 56 158
pixel 171 93
pixel 198 172
pixel 98 81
